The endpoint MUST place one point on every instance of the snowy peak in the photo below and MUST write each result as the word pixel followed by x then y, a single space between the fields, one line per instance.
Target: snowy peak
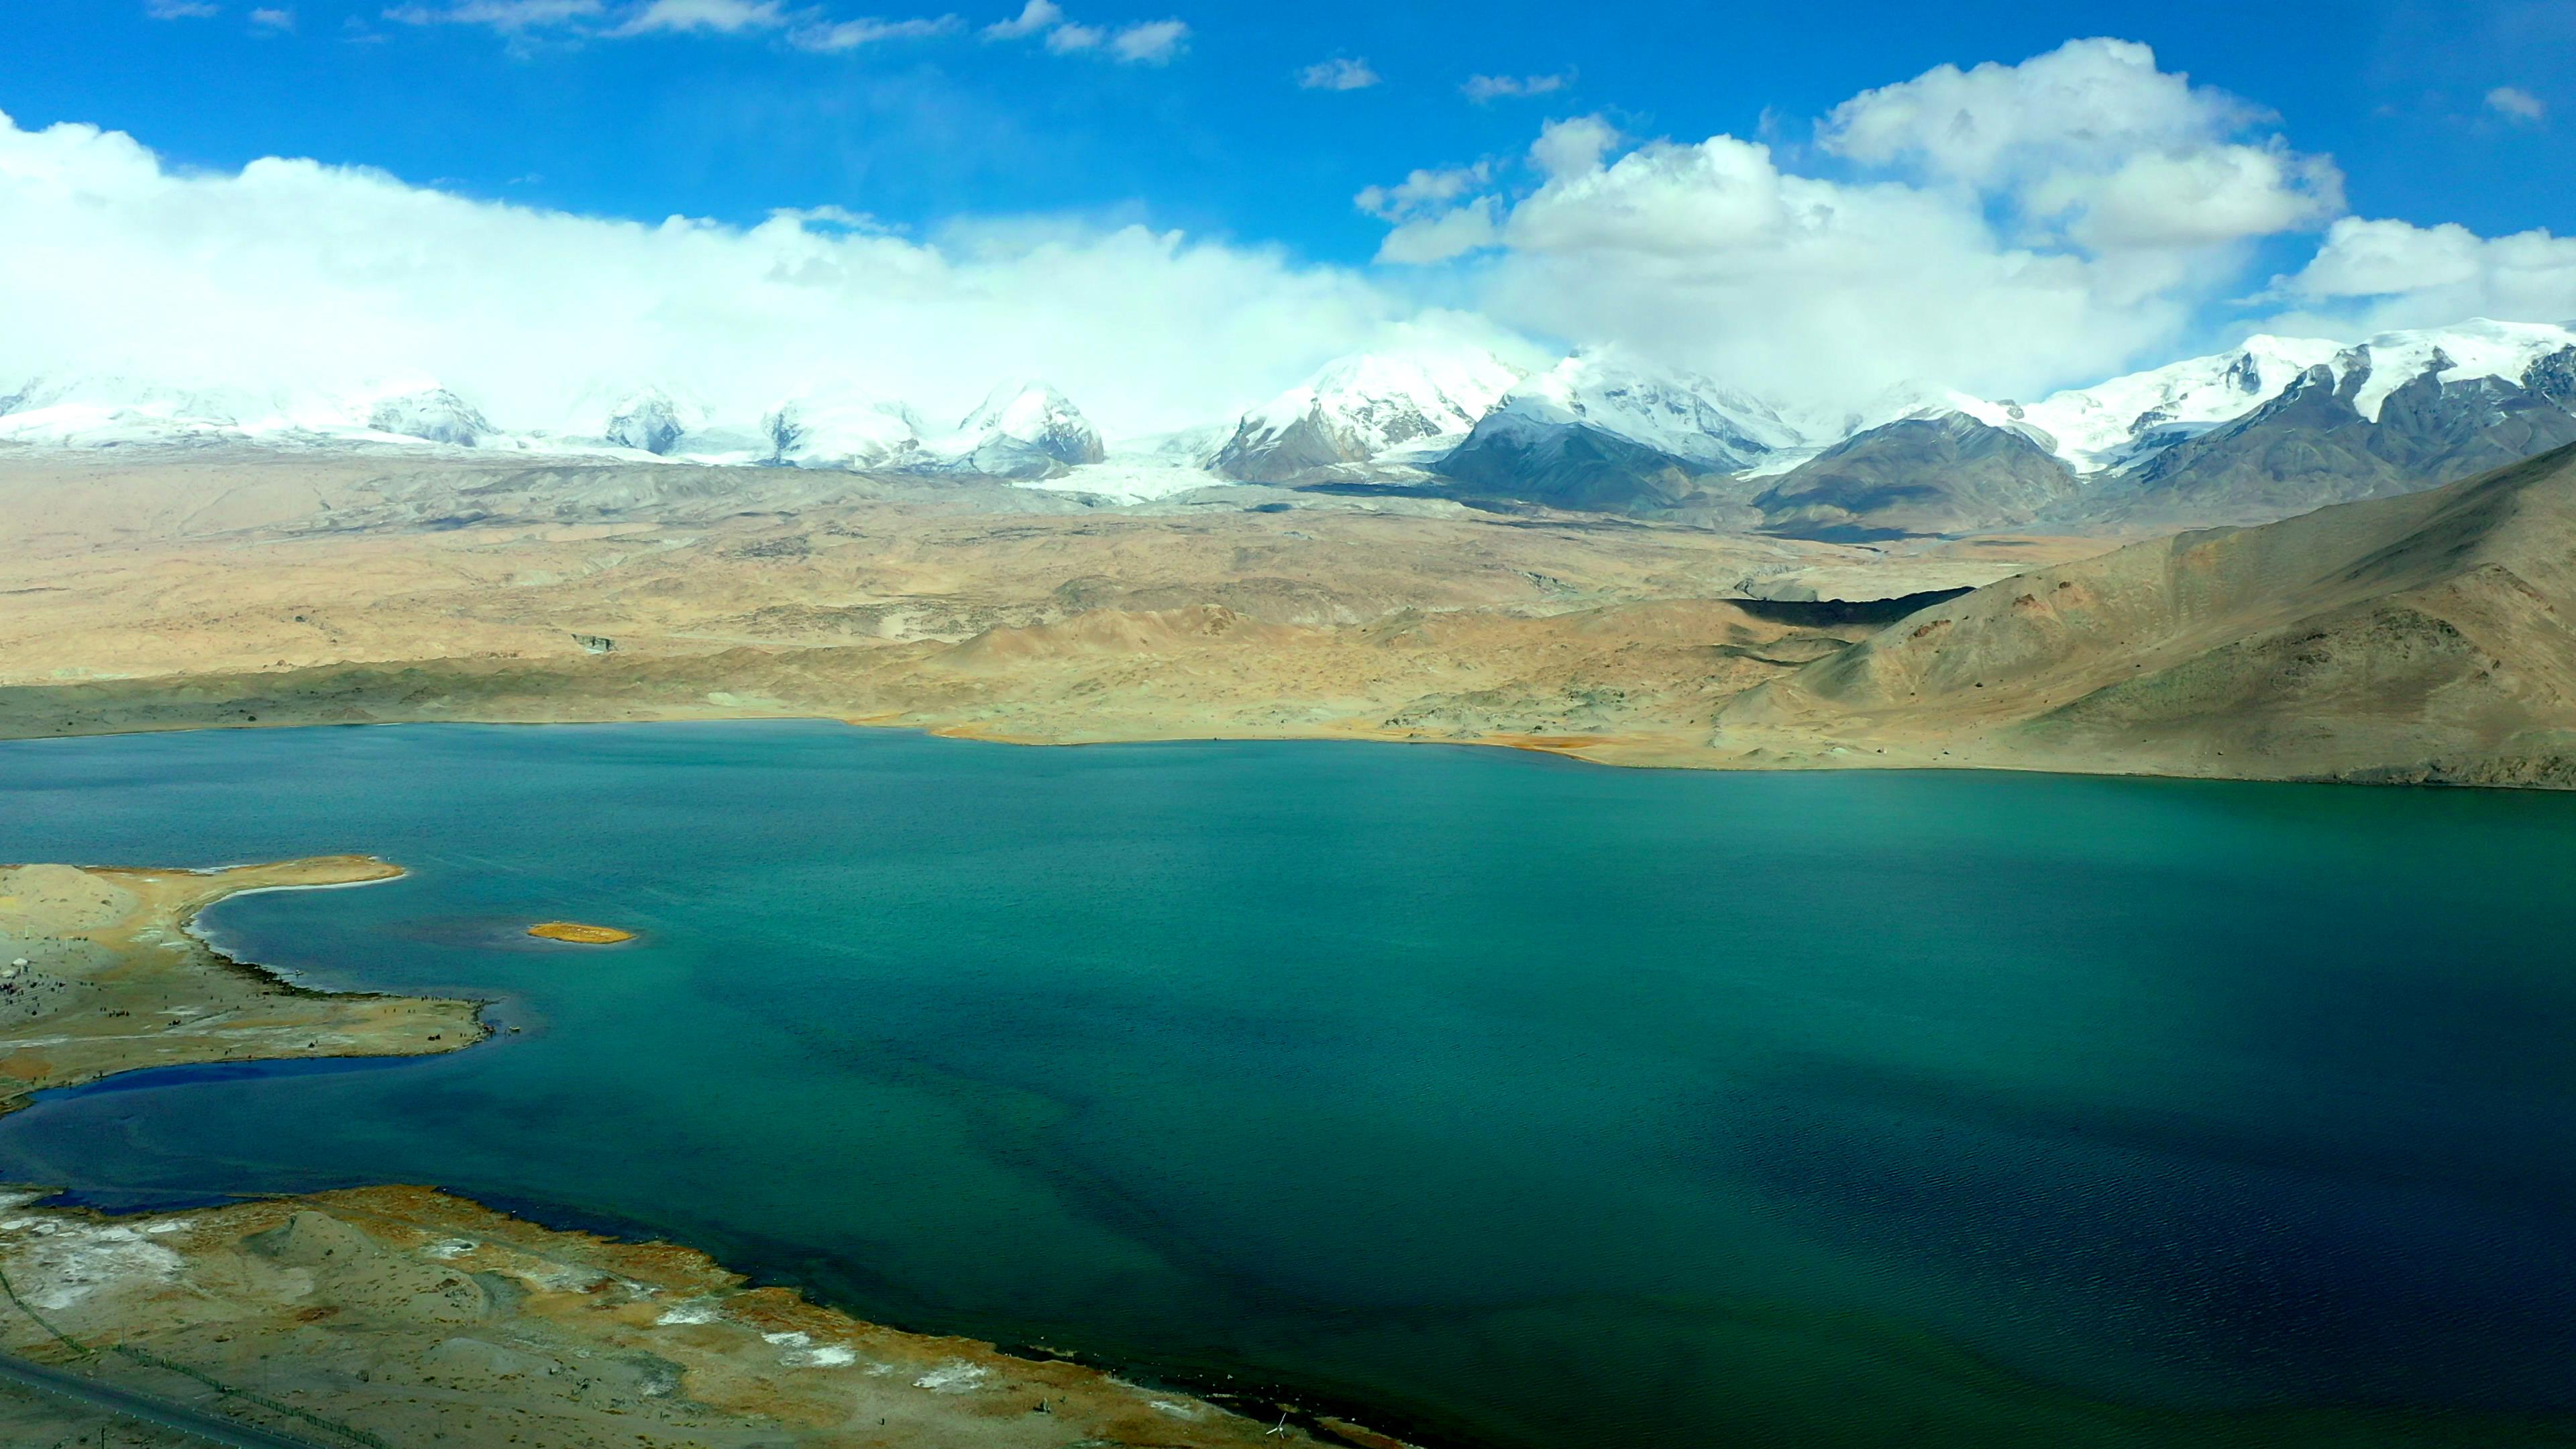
pixel 2114 423
pixel 433 415
pixel 1598 431
pixel 2465 353
pixel 1358 408
pixel 1027 425
pixel 2121 423
pixel 652 421
pixel 836 426
pixel 108 410
pixel 1678 414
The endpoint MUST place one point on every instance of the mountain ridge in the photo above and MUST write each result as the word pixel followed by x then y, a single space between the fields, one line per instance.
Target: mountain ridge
pixel 2265 430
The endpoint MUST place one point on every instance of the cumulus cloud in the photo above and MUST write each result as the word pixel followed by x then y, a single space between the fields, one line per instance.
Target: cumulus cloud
pixel 295 272
pixel 278 20
pixel 2003 229
pixel 2094 139
pixel 2371 275
pixel 2089 104
pixel 1483 88
pixel 179 9
pixel 2516 104
pixel 1035 16
pixel 1339 74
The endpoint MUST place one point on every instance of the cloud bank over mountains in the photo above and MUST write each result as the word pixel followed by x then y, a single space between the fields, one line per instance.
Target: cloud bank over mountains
pixel 2001 229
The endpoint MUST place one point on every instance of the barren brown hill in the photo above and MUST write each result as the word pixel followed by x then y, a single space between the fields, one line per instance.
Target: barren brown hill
pixel 2424 637
pixel 235 589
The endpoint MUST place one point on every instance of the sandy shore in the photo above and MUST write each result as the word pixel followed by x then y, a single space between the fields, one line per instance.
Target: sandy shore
pixel 422 1318
pixel 412 1315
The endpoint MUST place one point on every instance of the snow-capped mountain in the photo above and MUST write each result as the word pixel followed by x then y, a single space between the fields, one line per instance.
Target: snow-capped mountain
pixel 1365 407
pixel 836 426
pixel 110 409
pixel 653 421
pixel 2119 424
pixel 1022 430
pixel 2274 426
pixel 1597 429
pixel 433 415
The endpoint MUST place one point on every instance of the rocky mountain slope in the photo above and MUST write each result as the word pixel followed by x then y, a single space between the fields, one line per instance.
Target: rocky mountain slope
pixel 1944 474
pixel 1364 407
pixel 2426 636
pixel 1023 430
pixel 2313 444
pixel 1606 433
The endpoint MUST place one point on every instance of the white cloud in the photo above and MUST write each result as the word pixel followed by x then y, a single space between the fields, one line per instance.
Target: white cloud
pixel 1483 88
pixel 1339 74
pixel 727 17
pixel 2372 275
pixel 2516 104
pixel 2002 229
pixel 1439 236
pixel 2093 140
pixel 2088 105
pixel 295 272
pixel 273 19
pixel 843 35
pixel 1145 42
pixel 509 16
pixel 1577 144
pixel 179 9
pixel 1035 16
pixel 1151 42
pixel 2193 198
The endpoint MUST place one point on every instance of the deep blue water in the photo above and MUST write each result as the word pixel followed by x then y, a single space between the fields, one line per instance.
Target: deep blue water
pixel 1514 1101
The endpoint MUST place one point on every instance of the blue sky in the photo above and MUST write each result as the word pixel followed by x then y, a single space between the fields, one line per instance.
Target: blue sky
pixel 1146 204
pixel 1221 137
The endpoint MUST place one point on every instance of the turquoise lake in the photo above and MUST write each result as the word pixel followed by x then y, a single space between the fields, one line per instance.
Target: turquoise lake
pixel 1496 1099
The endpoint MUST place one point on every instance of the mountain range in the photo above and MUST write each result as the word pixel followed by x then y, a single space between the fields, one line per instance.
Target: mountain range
pixel 2275 427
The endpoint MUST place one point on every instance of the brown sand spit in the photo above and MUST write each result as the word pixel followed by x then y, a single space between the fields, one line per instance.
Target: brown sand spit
pixel 115 981
pixel 578 934
pixel 2422 638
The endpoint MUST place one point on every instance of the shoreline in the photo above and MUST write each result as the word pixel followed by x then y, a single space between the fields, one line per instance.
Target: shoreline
pixel 130 917
pixel 1252 1405
pixel 1607 751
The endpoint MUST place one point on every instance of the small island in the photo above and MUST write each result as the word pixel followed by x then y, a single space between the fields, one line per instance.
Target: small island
pixel 579 934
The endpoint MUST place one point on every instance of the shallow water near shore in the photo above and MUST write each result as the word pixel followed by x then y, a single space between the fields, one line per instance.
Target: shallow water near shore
pixel 1513 1101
